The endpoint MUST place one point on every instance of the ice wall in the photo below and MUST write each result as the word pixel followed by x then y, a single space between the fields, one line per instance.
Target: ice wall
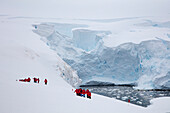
pixel 163 82
pixel 87 39
pixel 126 63
pixel 45 29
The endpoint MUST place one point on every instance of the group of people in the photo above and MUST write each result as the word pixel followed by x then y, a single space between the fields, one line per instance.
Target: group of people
pixel 36 80
pixel 83 92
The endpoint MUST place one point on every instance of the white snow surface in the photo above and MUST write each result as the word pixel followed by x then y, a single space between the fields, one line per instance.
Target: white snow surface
pixel 23 54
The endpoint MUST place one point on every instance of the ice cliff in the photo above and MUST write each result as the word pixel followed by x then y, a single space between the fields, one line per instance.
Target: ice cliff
pixel 145 63
pixel 87 39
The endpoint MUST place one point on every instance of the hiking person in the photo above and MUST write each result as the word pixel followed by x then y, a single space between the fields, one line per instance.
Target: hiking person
pixel 35 80
pixel 45 81
pixel 25 80
pixel 83 92
pixel 28 80
pixel 87 91
pixel 88 94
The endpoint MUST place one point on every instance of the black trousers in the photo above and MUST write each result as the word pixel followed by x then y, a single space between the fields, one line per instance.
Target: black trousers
pixel 89 97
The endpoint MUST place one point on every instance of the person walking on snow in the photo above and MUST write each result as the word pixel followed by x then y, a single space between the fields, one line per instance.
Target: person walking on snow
pixel 28 80
pixel 88 94
pixel 25 80
pixel 45 81
pixel 35 80
pixel 83 92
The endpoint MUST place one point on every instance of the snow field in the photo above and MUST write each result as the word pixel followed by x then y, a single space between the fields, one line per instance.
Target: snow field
pixel 23 54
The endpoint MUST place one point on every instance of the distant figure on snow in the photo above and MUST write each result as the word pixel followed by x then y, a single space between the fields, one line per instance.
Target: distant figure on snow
pixel 45 81
pixel 28 80
pixel 88 94
pixel 77 92
pixel 35 80
pixel 83 92
pixel 25 80
pixel 80 92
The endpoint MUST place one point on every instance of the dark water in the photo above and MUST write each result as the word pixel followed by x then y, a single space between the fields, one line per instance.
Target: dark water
pixel 138 97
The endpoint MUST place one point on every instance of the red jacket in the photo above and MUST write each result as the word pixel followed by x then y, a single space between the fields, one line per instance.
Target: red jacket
pixel 87 91
pixel 80 91
pixel 35 79
pixel 28 80
pixel 89 94
pixel 77 91
pixel 83 92
pixel 45 80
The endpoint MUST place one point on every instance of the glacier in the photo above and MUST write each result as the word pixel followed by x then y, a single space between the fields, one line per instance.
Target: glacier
pixel 87 39
pixel 144 63
pixel 163 82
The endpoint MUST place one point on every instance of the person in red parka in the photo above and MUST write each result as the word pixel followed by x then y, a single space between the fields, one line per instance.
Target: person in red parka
pixel 28 80
pixel 87 91
pixel 45 81
pixel 88 94
pixel 25 80
pixel 83 92
pixel 35 80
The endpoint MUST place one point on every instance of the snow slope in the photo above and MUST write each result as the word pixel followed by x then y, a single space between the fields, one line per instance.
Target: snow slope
pixel 23 54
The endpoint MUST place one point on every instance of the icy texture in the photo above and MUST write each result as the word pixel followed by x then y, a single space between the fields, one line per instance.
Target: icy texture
pixel 126 63
pixel 163 82
pixel 168 35
pixel 54 40
pixel 87 39
pixel 65 29
pixel 156 24
pixel 68 74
